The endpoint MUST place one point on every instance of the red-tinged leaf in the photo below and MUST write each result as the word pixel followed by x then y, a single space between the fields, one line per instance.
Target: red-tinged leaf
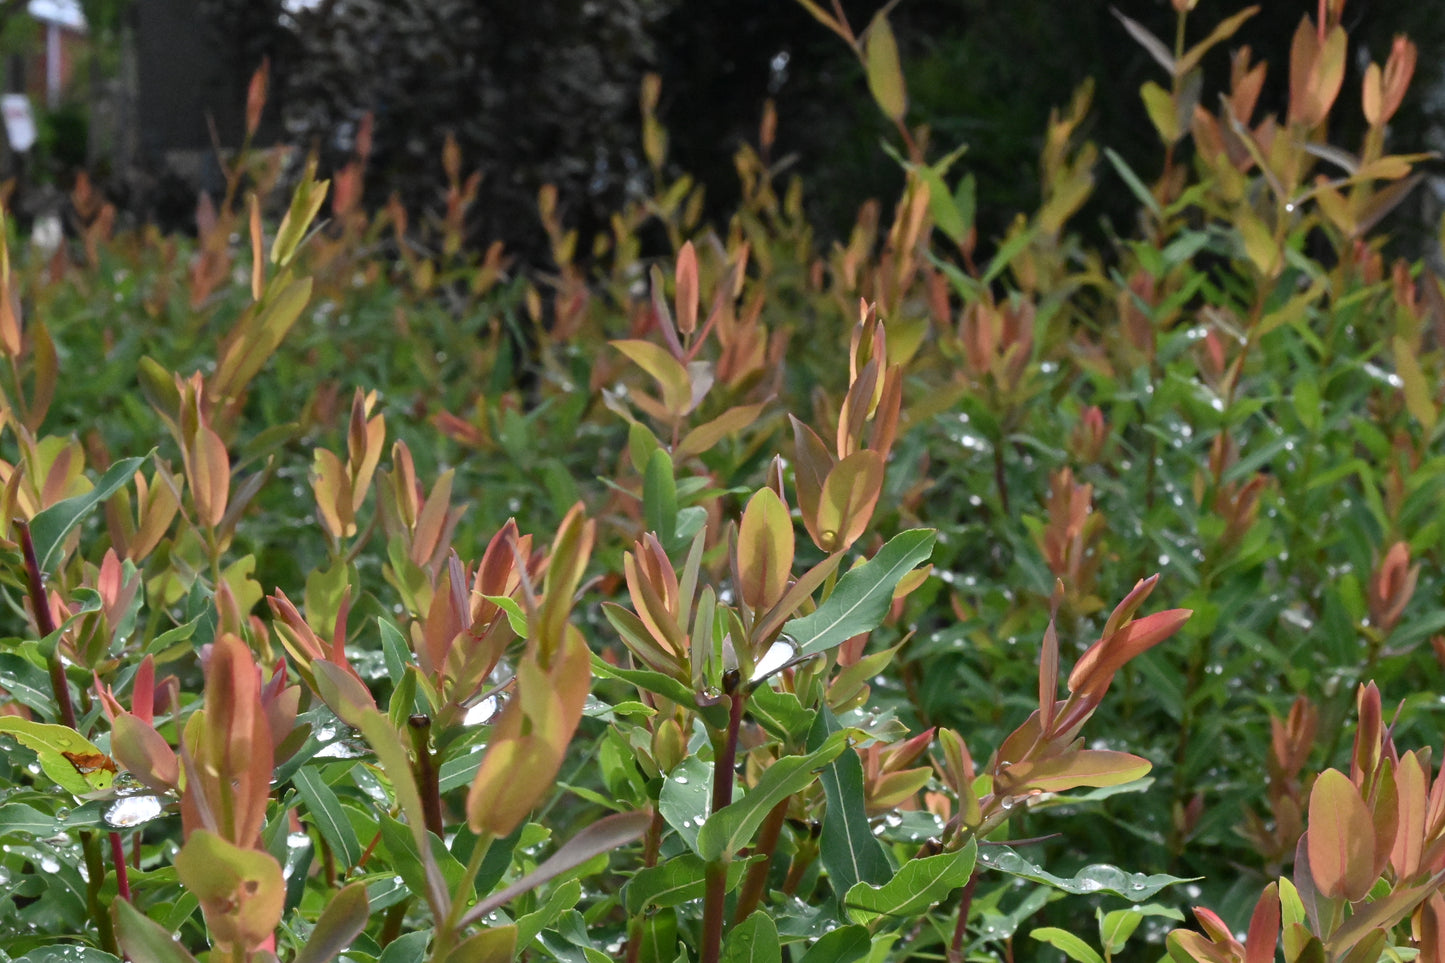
pixel 1263 927
pixel 1304 52
pixel 570 552
pixel 341 922
pixel 1412 801
pixel 671 377
pixel 333 495
pixel 687 289
pixel 1125 610
pixel 1048 676
pixel 529 739
pixel 256 96
pixel 144 753
pixel 258 254
pixel 242 891
pixel 211 476
pixel 812 463
pixel 765 550
pixel 709 433
pixel 342 691
pixel 885 73
pixel 1089 767
pixel 1196 947
pixel 495 944
pixel 603 836
pixel 849 495
pixel 10 327
pixel 1340 838
pixel 1215 927
pixel 1383 913
pixel 1097 666
pixel 1384 806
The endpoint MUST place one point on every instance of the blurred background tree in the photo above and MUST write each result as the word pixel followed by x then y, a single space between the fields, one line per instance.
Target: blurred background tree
pixel 546 91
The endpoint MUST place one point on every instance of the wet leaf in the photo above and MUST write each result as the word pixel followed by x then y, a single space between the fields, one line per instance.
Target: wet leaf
pixel 1098 878
pixel 754 940
pixel 861 599
pixel 918 885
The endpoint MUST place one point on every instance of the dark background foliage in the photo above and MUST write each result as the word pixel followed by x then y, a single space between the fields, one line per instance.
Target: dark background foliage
pixel 546 91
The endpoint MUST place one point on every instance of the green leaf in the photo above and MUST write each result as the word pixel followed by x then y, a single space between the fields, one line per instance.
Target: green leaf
pixel 754 940
pixel 862 596
pixel 305 203
pixel 918 885
pixel 341 922
pixel 67 953
pixel 846 944
pixel 672 378
pixel 49 528
pixel 1098 878
pixel 1116 927
pixel 885 72
pixel 144 939
pixel 406 949
pixel 559 901
pixel 326 813
pixel 672 882
pixel 50 743
pixel 659 498
pixel 780 713
pixel 1073 947
pixel 850 853
pixel 1132 181
pixel 27 684
pixel 727 832
pixel 685 796
pixel 1417 389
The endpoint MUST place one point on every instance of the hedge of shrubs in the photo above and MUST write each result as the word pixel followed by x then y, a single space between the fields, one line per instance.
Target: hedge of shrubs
pixel 717 594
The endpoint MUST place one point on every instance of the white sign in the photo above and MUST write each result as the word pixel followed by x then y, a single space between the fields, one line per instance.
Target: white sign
pixel 19 121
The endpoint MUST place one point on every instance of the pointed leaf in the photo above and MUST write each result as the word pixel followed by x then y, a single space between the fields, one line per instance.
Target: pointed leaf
pixel 341 922
pixel 919 884
pixel 49 527
pixel 144 939
pixel 862 596
pixel 726 833
pixel 765 550
pixel 754 940
pixel 1073 947
pixel 1340 837
pixel 885 73
pixel 327 814
pixel 601 837
pixel 849 851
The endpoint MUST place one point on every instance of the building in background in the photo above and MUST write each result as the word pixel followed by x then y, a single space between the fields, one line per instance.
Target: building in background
pixel 52 68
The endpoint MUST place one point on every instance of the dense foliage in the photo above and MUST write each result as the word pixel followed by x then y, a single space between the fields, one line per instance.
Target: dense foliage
pixel 911 598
